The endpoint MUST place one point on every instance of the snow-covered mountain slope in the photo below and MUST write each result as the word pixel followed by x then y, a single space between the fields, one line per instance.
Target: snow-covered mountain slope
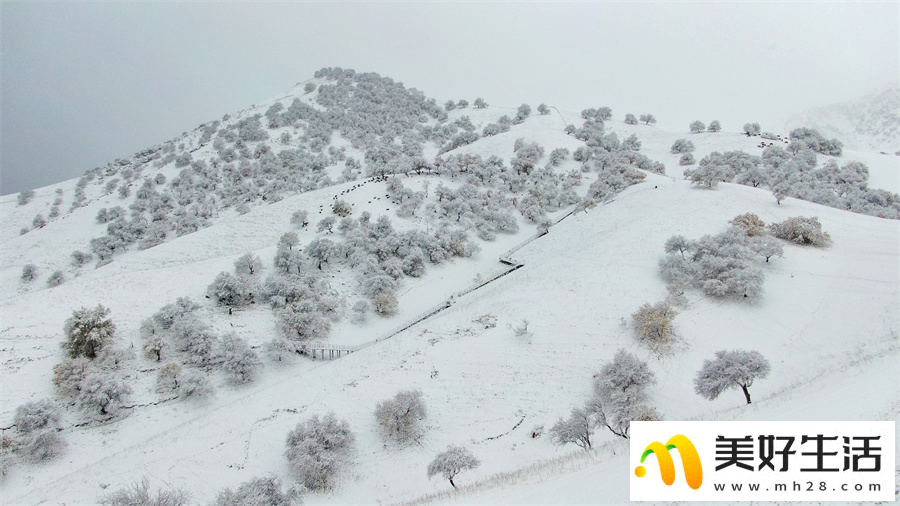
pixel 827 321
pixel 870 123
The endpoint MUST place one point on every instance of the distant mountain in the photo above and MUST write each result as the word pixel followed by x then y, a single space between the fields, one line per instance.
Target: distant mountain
pixel 869 123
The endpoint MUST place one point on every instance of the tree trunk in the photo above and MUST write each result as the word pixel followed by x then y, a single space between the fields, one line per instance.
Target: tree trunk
pixel 746 393
pixel 451 482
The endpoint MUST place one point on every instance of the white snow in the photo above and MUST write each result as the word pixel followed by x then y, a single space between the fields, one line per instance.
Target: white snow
pixel 828 323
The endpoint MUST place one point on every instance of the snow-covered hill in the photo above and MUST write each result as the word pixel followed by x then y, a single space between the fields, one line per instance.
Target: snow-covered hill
pixel 870 123
pixel 828 320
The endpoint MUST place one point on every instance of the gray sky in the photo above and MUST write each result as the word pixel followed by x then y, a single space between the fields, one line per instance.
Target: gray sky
pixel 85 83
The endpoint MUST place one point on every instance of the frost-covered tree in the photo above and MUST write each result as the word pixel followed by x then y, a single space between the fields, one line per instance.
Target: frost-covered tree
pixel 767 246
pixel 326 225
pixel 400 417
pixel 315 449
pixel 230 290
pixel 714 126
pixel 619 390
pixel 558 155
pixel 451 462
pixel 707 175
pixel 248 265
pixel 24 197
pixel 38 221
pixel 385 304
pixel 238 361
pixel 801 230
pixel 168 376
pixel 37 415
pixel 95 388
pixel 288 240
pixel 682 146
pixel 631 143
pixel 811 138
pixel 29 273
pixel 630 119
pixel 88 331
pixel 104 390
pixel 480 103
pixel 751 129
pixel 56 279
pixel 604 113
pixel 322 250
pixel 749 223
pixel 653 323
pixel 309 87
pixel 523 112
pixel 543 109
pixel 687 159
pixel 264 491
pixel 341 208
pixel 730 369
pixel 679 244
pixel 577 429
pixel 720 265
pixel 41 446
pixel 697 126
pixel 300 218
pixel 647 119
pixel 491 129
pixel 139 494
pixel 194 384
pixel 300 321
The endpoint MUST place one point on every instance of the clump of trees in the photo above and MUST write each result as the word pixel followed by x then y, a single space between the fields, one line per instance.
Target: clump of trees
pixel 794 174
pixel 36 438
pixel 451 462
pixel 140 494
pixel 720 265
pixel 176 337
pixel 91 376
pixel 620 389
pixel 808 138
pixel 730 369
pixel 266 490
pixel 316 448
pixel 751 129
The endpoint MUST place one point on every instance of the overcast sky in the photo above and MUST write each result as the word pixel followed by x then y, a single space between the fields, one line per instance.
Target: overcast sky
pixel 85 83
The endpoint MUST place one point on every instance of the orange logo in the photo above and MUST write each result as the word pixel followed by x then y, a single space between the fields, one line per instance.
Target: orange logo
pixel 693 472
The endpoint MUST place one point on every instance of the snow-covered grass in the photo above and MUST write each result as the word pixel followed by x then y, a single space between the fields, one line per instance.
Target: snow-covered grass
pixel 828 322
